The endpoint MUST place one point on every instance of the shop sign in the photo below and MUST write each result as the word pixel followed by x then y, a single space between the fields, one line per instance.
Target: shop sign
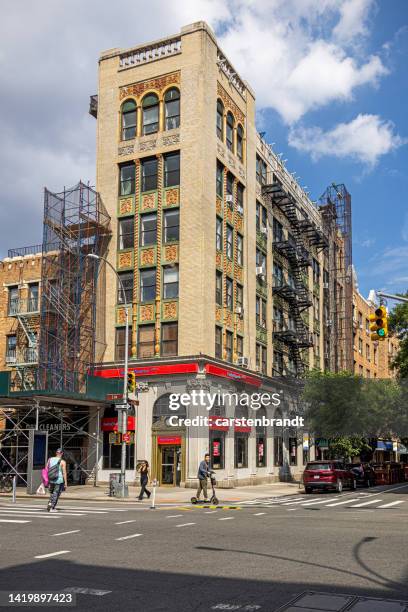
pixel 127 437
pixel 111 423
pixel 168 439
pixel 322 443
pixel 216 448
pixel 56 426
pixel 305 441
pixel 113 438
pixel 232 375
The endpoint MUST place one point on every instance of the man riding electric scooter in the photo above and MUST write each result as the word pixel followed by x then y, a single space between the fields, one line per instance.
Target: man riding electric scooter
pixel 204 472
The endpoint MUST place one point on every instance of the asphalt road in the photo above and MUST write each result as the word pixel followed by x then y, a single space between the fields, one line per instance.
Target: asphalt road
pixel 184 558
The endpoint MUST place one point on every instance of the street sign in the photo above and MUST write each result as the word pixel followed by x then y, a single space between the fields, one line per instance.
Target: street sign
pixel 121 407
pixel 126 437
pixel 112 397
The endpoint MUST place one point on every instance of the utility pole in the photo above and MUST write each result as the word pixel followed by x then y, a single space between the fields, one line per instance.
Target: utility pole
pixel 123 412
pixel 391 296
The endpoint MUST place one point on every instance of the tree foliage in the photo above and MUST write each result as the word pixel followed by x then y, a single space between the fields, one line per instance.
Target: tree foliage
pixel 398 324
pixel 342 404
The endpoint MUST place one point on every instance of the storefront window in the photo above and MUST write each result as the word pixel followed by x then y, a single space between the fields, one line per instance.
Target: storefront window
pixel 217 444
pixel 112 442
pixel 293 451
pixel 241 440
pixel 261 441
pixel 278 451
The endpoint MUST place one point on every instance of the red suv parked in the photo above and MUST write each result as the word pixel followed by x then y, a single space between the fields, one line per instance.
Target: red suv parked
pixel 328 475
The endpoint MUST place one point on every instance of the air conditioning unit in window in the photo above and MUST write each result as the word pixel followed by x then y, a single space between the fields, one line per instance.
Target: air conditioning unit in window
pixel 259 271
pixel 230 201
pixel 325 285
pixel 239 311
pixel 264 231
pixel 243 362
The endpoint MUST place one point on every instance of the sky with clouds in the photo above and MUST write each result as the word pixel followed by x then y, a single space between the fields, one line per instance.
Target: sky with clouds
pixel 330 78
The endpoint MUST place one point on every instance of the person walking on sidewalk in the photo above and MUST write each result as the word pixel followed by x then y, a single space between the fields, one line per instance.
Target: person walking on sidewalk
pixel 57 476
pixel 144 480
pixel 203 473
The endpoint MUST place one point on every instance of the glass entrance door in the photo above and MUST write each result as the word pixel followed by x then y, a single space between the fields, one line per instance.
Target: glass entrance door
pixel 167 464
pixel 170 468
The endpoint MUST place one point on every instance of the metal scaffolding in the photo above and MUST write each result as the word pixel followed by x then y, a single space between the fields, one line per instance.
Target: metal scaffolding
pixel 335 206
pixel 75 224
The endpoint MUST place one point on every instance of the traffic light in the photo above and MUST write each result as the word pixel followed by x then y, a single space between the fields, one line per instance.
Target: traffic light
pixel 131 382
pixel 379 324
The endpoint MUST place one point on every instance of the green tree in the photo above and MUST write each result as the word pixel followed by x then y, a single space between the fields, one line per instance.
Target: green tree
pixel 338 405
pixel 398 324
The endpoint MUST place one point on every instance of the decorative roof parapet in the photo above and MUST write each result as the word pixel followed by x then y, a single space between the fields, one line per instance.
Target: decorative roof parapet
pixel 151 52
pixel 232 76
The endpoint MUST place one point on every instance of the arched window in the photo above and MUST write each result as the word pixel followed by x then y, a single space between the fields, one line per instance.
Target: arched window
pixel 240 142
pixel 129 119
pixel 150 105
pixel 172 108
pixel 162 408
pixel 230 131
pixel 220 120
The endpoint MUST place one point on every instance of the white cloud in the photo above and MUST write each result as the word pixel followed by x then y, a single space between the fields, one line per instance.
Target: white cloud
pixel 298 55
pixel 365 139
pixel 353 20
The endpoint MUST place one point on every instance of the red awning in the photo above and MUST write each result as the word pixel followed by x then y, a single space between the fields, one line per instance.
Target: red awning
pixel 214 423
pixel 111 423
pixel 168 439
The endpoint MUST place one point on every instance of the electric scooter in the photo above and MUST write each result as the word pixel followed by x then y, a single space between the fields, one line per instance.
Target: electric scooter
pixel 213 498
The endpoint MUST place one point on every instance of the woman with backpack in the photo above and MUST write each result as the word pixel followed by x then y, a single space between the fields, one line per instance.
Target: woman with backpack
pixel 57 478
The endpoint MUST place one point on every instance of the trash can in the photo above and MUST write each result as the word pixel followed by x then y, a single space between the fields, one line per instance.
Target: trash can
pixel 114 483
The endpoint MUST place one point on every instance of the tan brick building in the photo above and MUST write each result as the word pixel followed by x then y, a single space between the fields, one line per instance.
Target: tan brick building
pixel 221 253
pixel 237 282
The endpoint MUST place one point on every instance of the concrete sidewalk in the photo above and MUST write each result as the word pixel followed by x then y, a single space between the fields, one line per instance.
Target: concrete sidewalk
pixel 169 495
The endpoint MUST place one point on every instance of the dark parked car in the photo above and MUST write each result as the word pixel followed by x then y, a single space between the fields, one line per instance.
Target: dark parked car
pixel 328 475
pixel 363 473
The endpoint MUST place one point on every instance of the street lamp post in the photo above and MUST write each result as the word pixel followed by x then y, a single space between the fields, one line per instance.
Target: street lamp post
pixel 123 412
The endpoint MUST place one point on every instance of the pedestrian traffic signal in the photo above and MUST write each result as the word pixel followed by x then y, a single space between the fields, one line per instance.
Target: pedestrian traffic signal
pixel 131 382
pixel 379 324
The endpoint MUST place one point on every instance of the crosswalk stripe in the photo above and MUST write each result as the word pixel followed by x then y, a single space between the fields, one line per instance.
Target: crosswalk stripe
pixel 367 503
pixel 226 518
pixel 128 537
pixel 54 554
pixel 63 507
pixel 185 524
pixel 395 503
pixel 321 501
pixel 34 513
pixel 66 532
pixel 346 501
pixel 174 516
pixel 13 521
pixel 259 513
pixel 26 515
pixel 126 522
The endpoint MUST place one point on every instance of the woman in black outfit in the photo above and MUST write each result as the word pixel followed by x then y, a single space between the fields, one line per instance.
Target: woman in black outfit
pixel 144 479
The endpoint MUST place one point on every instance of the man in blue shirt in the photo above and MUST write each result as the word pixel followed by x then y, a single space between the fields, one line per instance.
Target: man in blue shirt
pixel 203 474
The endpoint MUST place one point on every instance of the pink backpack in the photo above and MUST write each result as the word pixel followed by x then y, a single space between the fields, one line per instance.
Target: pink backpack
pixel 44 475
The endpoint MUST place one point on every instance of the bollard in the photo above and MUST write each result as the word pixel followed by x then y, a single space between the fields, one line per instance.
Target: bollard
pixel 154 483
pixel 14 488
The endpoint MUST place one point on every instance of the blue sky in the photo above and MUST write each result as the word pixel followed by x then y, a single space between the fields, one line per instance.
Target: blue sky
pixel 331 88
pixel 380 191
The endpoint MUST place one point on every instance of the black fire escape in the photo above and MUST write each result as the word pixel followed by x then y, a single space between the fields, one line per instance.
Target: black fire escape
pixel 303 233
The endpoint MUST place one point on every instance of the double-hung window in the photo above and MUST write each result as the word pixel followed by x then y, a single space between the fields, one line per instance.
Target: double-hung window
pixel 149 174
pixel 172 169
pixel 171 225
pixel 147 285
pixel 148 229
pixel 170 282
pixel 126 236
